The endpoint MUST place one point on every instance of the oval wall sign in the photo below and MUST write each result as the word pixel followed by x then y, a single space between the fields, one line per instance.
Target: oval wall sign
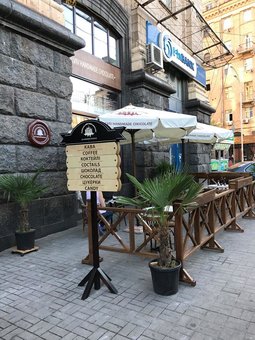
pixel 38 133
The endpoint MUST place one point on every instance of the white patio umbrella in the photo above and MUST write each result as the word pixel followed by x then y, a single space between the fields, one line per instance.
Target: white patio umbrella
pixel 161 125
pixel 209 134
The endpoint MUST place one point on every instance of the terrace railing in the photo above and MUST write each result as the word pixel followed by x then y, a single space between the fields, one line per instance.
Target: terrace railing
pixel 189 230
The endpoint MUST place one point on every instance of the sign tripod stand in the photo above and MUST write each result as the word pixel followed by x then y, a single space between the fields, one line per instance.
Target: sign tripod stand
pixel 93 162
pixel 96 272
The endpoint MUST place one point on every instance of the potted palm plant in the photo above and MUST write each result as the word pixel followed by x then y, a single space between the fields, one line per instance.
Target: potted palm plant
pixel 158 193
pixel 22 189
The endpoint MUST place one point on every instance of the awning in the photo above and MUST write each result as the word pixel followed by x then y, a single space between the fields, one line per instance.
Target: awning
pixel 210 134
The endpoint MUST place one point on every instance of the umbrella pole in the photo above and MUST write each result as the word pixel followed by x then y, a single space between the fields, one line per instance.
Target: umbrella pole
pixel 183 153
pixel 132 133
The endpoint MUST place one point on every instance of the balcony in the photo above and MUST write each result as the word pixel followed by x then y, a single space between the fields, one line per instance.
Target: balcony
pixel 246 48
pixel 249 99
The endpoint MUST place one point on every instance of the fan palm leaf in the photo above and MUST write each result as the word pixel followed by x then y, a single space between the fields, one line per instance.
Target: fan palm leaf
pixel 160 192
pixel 22 190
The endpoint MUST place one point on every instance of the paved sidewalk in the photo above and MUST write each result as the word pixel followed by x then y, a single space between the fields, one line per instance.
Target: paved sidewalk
pixel 40 299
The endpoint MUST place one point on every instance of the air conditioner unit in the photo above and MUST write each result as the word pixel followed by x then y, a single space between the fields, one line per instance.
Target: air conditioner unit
pixel 229 123
pixel 245 120
pixel 154 57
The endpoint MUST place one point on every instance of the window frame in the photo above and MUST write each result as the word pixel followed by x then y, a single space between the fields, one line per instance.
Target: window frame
pixel 248 13
pixel 248 90
pixel 109 33
pixel 248 40
pixel 248 112
pixel 228 92
pixel 248 64
pixel 229 116
pixel 229 45
pixel 227 23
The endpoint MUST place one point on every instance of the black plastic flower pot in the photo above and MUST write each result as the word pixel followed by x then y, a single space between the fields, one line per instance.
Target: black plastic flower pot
pixel 25 240
pixel 165 280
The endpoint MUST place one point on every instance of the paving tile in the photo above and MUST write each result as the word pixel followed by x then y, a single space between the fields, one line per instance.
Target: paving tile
pixel 45 302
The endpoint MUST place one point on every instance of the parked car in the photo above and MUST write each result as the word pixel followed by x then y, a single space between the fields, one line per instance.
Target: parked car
pixel 248 166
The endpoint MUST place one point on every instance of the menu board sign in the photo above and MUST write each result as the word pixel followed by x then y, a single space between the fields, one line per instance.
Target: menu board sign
pixel 92 163
pixel 94 167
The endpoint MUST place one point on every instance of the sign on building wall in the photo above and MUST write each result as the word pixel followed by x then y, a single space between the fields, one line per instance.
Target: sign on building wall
pixel 92 68
pixel 38 133
pixel 174 54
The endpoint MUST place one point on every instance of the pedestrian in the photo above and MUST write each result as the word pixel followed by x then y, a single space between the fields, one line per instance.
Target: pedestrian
pixel 101 203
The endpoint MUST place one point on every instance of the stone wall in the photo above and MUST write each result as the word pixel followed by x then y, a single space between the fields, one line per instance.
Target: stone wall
pixel 48 8
pixel 34 84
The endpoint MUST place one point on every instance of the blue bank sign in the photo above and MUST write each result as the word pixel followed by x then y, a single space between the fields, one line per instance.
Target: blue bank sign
pixel 174 54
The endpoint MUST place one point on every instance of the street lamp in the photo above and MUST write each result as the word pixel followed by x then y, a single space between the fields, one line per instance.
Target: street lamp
pixel 240 116
pixel 240 109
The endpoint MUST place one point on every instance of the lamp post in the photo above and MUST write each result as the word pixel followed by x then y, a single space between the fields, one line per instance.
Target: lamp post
pixel 240 113
pixel 241 126
pixel 240 116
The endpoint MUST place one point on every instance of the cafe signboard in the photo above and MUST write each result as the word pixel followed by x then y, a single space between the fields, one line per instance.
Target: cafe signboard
pixel 93 157
pixel 95 69
pixel 93 164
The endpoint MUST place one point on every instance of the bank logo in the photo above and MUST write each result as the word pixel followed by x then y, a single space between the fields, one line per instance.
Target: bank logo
pixel 167 47
pixel 174 54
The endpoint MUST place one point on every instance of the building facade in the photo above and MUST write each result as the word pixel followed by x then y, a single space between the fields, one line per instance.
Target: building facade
pixel 35 67
pixel 113 69
pixel 60 64
pixel 232 91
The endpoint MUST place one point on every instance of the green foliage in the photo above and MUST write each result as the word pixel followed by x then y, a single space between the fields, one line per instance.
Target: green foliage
pixel 22 190
pixel 159 193
pixel 162 168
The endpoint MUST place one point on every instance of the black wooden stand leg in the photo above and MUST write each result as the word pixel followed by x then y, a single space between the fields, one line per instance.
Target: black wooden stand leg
pixel 107 281
pixel 96 272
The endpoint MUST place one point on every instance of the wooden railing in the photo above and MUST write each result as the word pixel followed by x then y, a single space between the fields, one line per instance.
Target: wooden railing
pixel 190 230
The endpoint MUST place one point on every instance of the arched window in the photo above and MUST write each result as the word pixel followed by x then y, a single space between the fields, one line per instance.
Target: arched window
pixel 100 40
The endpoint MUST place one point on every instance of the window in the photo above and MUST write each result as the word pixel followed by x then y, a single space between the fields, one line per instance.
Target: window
pixel 229 116
pixel 248 90
pixel 68 14
pixel 226 69
pixel 100 41
pixel 248 64
pixel 229 45
pixel 92 99
pixel 113 49
pixel 209 6
pixel 250 168
pixel 83 29
pixel 228 92
pixel 248 112
pixel 248 40
pixel 247 15
pixel 167 3
pixel 227 23
pixel 206 32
